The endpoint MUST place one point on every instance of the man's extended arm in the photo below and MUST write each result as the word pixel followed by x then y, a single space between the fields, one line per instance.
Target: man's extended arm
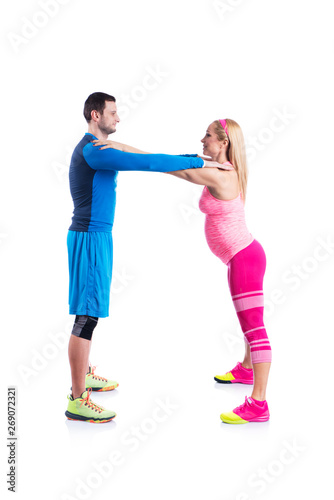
pixel 112 159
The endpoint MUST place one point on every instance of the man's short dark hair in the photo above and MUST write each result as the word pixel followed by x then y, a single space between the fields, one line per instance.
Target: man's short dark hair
pixel 97 102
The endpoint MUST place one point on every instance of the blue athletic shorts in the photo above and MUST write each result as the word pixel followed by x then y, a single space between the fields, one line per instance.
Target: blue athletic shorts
pixel 90 257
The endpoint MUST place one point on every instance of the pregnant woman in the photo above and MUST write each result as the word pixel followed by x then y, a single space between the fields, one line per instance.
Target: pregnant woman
pixel 222 202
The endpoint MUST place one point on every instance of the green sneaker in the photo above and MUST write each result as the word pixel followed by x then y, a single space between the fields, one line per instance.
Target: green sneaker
pixel 82 408
pixel 97 383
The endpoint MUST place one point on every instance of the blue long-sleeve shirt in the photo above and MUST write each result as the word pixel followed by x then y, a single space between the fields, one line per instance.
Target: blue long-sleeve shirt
pixel 93 180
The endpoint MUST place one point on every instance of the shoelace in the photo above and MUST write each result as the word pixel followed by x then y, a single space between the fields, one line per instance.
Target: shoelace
pixel 97 377
pixel 247 402
pixel 87 402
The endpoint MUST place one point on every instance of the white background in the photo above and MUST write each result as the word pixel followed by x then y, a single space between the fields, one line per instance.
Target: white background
pixel 172 326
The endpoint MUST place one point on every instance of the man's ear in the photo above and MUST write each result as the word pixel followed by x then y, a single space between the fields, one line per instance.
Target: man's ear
pixel 94 115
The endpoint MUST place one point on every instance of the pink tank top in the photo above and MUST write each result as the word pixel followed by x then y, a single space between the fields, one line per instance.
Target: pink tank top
pixel 225 226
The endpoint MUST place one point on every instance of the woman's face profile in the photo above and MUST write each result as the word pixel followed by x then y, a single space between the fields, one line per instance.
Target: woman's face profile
pixel 211 144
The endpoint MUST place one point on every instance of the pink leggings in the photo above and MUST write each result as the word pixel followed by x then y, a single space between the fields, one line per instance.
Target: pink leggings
pixel 245 278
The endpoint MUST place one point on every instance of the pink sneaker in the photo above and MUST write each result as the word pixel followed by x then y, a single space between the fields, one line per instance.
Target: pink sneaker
pixel 238 374
pixel 251 411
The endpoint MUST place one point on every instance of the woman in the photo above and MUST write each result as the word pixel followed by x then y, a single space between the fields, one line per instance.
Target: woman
pixel 222 202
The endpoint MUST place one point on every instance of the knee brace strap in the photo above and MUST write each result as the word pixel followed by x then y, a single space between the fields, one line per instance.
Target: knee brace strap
pixel 84 326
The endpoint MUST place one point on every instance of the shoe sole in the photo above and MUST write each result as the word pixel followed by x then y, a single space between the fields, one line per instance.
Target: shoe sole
pixel 233 381
pixel 73 416
pixel 100 389
pixel 103 389
pixel 235 422
pixel 242 421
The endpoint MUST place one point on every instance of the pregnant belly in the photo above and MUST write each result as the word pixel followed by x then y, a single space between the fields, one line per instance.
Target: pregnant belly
pixel 216 238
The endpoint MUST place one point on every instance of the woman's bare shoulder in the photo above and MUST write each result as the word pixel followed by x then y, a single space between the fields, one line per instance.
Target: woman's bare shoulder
pixel 226 186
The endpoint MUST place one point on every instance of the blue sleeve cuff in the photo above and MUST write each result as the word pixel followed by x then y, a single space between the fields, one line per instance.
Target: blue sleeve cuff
pixel 190 156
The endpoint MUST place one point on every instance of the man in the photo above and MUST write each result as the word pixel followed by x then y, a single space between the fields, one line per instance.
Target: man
pixel 93 174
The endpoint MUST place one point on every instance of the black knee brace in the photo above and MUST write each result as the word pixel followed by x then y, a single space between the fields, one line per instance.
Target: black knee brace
pixel 84 326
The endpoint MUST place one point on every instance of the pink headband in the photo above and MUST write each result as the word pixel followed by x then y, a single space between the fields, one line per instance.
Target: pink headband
pixel 224 125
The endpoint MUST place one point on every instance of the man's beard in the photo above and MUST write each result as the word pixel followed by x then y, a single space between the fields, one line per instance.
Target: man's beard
pixel 106 130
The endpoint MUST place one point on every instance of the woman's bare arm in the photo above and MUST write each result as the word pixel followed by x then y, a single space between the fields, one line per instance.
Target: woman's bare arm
pixel 118 145
pixel 211 177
